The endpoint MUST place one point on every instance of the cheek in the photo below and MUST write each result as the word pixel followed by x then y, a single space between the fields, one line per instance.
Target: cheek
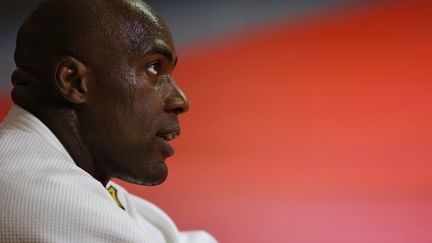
pixel 147 101
pixel 142 119
pixel 132 107
pixel 108 113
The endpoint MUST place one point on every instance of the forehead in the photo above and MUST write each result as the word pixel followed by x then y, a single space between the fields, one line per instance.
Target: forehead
pixel 138 18
pixel 152 44
pixel 144 31
pixel 142 11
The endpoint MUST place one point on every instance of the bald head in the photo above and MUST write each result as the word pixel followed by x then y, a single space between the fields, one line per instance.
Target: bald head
pixel 89 30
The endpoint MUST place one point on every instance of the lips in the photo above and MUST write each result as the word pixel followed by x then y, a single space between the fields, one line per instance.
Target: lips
pixel 165 136
pixel 168 135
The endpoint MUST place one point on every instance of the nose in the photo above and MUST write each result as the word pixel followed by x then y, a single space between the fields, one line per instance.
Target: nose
pixel 177 102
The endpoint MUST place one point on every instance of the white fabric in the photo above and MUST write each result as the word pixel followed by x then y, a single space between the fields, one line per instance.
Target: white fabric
pixel 45 197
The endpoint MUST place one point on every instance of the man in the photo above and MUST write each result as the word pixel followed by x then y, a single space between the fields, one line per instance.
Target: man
pixel 94 99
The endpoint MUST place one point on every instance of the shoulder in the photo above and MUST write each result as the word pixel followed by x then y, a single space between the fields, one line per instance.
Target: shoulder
pixel 46 197
pixel 17 145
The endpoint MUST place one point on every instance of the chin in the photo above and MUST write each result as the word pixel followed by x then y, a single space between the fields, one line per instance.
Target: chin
pixel 149 177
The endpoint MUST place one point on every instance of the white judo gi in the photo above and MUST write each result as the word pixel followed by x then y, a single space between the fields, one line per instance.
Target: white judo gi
pixel 46 197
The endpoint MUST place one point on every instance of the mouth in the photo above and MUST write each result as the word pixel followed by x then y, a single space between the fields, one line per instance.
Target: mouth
pixel 168 135
pixel 165 137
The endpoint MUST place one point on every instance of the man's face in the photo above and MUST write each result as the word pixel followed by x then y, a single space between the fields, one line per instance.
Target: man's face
pixel 132 111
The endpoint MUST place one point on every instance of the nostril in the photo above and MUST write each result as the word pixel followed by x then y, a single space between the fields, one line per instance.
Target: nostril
pixel 178 110
pixel 177 104
pixel 185 105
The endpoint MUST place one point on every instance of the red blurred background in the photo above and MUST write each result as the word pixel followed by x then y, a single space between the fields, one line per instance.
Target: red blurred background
pixel 313 131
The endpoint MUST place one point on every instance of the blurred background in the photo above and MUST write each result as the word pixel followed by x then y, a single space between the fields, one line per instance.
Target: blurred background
pixel 310 121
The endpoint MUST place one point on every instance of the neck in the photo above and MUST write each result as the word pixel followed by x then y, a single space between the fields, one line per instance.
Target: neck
pixel 64 123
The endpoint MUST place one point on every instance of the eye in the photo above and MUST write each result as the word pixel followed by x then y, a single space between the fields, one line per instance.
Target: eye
pixel 154 68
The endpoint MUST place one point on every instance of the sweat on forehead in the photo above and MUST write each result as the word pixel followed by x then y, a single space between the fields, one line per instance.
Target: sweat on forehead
pixel 62 27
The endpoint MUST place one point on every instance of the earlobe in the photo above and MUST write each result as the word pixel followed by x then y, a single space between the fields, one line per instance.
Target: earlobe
pixel 72 77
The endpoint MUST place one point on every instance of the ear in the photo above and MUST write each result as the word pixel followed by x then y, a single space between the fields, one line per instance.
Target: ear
pixel 72 79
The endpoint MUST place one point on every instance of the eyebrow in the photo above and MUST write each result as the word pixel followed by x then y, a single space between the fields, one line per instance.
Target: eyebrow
pixel 160 49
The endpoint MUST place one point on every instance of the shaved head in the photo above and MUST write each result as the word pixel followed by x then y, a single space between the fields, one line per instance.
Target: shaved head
pixel 90 30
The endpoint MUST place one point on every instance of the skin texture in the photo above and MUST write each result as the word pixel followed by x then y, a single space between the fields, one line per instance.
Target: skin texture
pixel 102 82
